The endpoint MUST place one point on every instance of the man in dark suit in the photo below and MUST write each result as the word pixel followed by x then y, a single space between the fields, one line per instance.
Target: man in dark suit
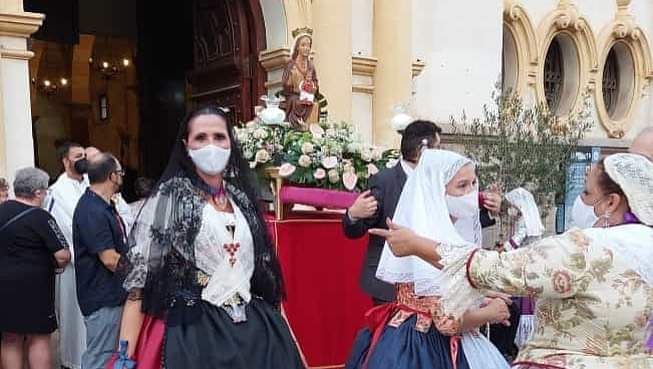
pixel 373 206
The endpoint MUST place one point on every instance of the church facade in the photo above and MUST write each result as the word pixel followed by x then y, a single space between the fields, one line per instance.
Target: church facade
pixel 437 57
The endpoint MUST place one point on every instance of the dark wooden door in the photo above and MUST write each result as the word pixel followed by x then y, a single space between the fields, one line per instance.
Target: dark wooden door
pixel 227 37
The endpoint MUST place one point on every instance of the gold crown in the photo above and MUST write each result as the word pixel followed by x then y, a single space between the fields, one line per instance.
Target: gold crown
pixel 303 30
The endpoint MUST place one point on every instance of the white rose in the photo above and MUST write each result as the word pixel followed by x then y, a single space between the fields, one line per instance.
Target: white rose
pixel 330 162
pixel 248 154
pixel 252 164
pixel 334 177
pixel 262 156
pixel 391 163
pixel 366 155
pixel 316 130
pixel 307 148
pixel 305 161
pixel 319 173
pixel 260 133
pixel 330 132
pixel 377 153
pixel 372 169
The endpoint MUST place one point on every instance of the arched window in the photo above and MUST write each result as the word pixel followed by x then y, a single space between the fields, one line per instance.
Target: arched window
pixel 554 74
pixel 509 62
pixel 611 82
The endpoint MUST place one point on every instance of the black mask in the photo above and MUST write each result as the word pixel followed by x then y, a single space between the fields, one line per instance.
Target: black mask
pixel 81 166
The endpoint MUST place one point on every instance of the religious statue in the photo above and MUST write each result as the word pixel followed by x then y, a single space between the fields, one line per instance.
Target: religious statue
pixel 300 83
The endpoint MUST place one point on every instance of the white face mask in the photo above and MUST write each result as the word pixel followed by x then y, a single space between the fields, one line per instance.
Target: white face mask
pixel 210 159
pixel 582 215
pixel 465 206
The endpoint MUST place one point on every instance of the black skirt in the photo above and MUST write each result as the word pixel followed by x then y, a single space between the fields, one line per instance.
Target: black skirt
pixel 28 305
pixel 200 335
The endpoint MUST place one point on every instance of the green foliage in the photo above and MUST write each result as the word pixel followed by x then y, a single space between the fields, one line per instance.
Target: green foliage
pixel 515 145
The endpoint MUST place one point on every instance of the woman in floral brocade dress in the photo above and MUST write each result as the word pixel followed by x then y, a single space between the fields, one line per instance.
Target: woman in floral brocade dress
pixel 594 286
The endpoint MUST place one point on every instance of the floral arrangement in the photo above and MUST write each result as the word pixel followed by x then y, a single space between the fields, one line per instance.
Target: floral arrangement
pixel 330 155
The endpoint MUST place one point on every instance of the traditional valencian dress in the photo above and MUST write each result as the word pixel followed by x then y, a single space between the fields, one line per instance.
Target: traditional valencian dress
pixel 594 288
pixel 412 332
pixel 194 265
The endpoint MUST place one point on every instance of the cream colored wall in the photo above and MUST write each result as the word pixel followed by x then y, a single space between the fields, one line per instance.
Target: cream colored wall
pixel 332 24
pixel 600 14
pixel 462 56
pixel 362 45
pixel 460 42
pixel 276 27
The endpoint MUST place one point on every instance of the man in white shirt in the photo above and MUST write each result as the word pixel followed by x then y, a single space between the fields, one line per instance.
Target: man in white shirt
pixel 61 202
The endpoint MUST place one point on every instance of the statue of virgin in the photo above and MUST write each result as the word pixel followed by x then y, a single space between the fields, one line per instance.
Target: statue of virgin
pixel 300 83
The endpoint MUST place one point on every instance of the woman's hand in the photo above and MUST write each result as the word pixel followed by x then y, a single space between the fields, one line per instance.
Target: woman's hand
pixel 402 241
pixel 497 311
pixel 499 295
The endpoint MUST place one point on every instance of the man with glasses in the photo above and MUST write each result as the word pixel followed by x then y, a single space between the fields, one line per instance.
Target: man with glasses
pixel 100 240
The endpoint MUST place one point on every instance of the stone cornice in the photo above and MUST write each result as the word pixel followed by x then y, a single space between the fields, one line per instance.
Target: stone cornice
pixel 274 59
pixel 16 54
pixel 20 24
pixel 417 67
pixel 363 65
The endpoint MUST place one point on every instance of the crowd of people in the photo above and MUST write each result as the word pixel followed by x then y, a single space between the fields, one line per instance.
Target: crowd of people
pixel 187 275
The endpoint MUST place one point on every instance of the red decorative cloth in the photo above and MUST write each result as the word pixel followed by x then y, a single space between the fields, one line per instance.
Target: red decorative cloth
pixel 149 346
pixel 321 268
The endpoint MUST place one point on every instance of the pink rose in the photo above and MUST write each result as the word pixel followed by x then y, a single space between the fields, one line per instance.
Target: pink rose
pixel 286 170
pixel 561 281
pixel 349 179
pixel 319 173
pixel 330 162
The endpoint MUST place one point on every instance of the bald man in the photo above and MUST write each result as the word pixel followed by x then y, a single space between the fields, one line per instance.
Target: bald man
pixel 121 205
pixel 91 151
pixel 643 143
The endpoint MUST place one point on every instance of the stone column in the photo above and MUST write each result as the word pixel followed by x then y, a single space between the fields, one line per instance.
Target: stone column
pixel 332 46
pixel 393 77
pixel 16 143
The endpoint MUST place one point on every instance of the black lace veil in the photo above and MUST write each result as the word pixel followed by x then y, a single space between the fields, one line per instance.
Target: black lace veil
pixel 161 257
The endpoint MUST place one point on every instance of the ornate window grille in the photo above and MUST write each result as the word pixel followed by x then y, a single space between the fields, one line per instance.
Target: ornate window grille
pixel 553 75
pixel 611 82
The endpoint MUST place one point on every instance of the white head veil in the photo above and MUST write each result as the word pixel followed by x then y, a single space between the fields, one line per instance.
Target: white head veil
pixel 525 202
pixel 422 207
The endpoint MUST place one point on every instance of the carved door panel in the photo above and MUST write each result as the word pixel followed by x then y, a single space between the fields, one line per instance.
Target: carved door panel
pixel 224 56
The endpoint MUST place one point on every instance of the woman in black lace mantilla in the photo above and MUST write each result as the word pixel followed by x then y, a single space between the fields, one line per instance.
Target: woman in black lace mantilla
pixel 202 261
